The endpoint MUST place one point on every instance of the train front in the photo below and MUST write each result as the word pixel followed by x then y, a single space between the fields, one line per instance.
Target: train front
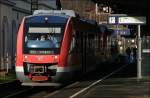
pixel 40 57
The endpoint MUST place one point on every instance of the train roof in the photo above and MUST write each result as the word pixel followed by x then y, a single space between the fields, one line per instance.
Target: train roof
pixel 46 19
pixel 70 13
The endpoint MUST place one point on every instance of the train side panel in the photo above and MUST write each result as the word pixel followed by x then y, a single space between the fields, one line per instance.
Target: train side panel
pixel 19 58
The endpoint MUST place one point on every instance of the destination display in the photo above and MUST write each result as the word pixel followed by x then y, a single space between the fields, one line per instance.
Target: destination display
pixel 44 30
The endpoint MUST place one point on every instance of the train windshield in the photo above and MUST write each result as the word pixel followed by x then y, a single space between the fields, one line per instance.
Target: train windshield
pixel 43 39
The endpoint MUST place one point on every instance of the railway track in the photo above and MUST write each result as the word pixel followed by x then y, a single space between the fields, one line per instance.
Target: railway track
pixel 78 87
pixel 13 89
pixel 16 90
pixel 28 92
pixel 19 93
pixel 10 89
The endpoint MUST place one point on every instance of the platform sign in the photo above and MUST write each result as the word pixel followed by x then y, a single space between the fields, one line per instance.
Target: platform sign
pixel 146 51
pixel 131 20
pixel 124 19
pixel 125 32
pixel 112 20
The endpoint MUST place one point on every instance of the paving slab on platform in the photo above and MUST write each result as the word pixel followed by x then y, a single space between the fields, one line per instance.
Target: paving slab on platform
pixel 120 88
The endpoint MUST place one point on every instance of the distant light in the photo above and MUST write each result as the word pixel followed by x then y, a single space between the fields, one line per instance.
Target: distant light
pixel 121 48
pixel 147 41
pixel 119 42
pixel 132 40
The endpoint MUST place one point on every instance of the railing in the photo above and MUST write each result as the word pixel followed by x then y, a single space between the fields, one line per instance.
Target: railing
pixel 7 69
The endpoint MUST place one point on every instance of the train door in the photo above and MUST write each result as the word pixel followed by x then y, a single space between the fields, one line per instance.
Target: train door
pixel 83 52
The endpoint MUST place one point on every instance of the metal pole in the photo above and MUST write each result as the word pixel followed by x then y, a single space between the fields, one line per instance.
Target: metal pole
pixel 7 63
pixel 96 8
pixel 139 76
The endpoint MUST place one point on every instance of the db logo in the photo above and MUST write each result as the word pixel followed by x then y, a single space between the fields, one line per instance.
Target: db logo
pixel 40 58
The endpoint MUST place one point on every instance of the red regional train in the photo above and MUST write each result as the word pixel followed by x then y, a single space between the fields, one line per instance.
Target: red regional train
pixel 56 46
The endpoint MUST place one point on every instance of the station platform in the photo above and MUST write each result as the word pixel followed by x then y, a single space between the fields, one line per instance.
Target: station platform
pixel 123 84
pixel 120 88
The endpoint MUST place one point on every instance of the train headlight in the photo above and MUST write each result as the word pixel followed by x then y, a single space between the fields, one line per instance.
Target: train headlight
pixel 56 57
pixel 25 57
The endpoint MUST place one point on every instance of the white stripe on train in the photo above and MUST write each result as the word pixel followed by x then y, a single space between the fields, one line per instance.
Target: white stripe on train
pixel 59 69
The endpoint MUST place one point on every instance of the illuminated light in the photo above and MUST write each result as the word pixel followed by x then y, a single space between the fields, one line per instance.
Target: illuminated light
pixel 25 57
pixel 132 40
pixel 147 41
pixel 34 46
pixel 121 48
pixel 56 57
pixel 119 42
pixel 46 18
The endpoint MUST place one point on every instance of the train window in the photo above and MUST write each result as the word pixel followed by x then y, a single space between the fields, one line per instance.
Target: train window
pixel 78 43
pixel 43 40
pixel 72 45
pixel 96 42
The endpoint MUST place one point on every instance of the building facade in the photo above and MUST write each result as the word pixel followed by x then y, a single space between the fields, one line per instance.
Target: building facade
pixel 11 14
pixel 88 9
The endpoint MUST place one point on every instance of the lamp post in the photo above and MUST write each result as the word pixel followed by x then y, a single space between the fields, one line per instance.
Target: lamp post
pixel 139 76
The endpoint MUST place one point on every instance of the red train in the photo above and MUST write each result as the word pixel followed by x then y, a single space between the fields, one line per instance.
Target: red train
pixel 56 46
